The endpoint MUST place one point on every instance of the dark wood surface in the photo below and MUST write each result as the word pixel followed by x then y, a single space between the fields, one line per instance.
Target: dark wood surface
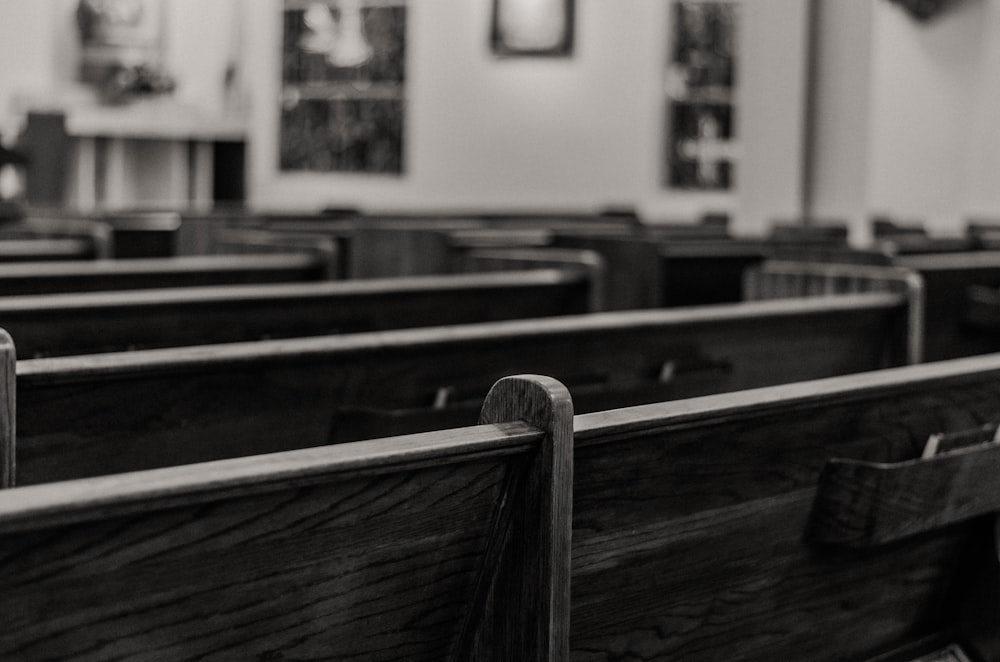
pixel 94 275
pixel 8 417
pixel 689 521
pixel 648 272
pixel 533 580
pixel 947 278
pixel 96 235
pixel 242 241
pixel 863 503
pixel 81 323
pixel 587 262
pixel 417 548
pixel 104 413
pixel 781 279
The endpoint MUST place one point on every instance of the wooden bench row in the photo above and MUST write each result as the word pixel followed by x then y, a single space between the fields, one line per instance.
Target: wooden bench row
pixel 82 323
pixel 85 415
pixel 956 305
pixel 791 522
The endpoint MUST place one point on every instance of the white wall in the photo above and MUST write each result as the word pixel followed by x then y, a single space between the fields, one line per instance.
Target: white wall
pixel 926 80
pixel 574 133
pixel 28 50
pixel 906 114
pixel 39 45
pixel 838 180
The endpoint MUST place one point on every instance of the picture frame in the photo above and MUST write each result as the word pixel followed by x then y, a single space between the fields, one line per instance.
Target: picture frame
pixel 532 28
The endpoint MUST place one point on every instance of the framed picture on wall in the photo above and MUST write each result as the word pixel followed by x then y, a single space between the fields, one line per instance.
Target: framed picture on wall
pixel 701 151
pixel 343 80
pixel 532 27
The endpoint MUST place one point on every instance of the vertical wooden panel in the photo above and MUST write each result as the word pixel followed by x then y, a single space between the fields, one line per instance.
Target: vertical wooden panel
pixel 530 587
pixel 7 409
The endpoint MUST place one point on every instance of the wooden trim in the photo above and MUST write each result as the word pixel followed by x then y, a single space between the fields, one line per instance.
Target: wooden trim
pixel 213 263
pixel 608 426
pixel 104 496
pixel 785 278
pixel 531 584
pixel 194 358
pixel 8 417
pixel 317 290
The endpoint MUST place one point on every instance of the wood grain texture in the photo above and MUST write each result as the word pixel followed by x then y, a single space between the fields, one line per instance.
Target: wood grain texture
pixel 81 323
pixel 867 503
pixel 534 577
pixel 81 416
pixel 689 520
pixel 130 274
pixel 364 551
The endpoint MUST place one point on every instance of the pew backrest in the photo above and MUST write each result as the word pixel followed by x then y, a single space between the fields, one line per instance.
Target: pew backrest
pixel 948 278
pixel 95 235
pixel 82 323
pixel 779 279
pixel 452 545
pixel 588 263
pixel 105 413
pixel 242 241
pixel 691 520
pixel 144 273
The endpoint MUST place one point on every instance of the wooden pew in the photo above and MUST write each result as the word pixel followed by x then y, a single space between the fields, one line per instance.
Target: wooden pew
pixel 645 272
pixel 243 241
pixel 36 250
pixel 106 413
pixel 777 279
pixel 956 299
pixel 144 273
pixel 83 323
pixel 382 246
pixel 699 533
pixel 92 239
pixel 589 263
pixel 448 545
pixel 143 234
pixel 948 278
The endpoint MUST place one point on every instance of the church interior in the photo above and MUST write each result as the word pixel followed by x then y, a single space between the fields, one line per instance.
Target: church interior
pixel 500 330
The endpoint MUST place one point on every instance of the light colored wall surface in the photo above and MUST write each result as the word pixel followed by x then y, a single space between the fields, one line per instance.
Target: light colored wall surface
pixel 906 115
pixel 577 133
pixel 28 50
pixel 926 88
pixel 772 109
pixel 838 185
